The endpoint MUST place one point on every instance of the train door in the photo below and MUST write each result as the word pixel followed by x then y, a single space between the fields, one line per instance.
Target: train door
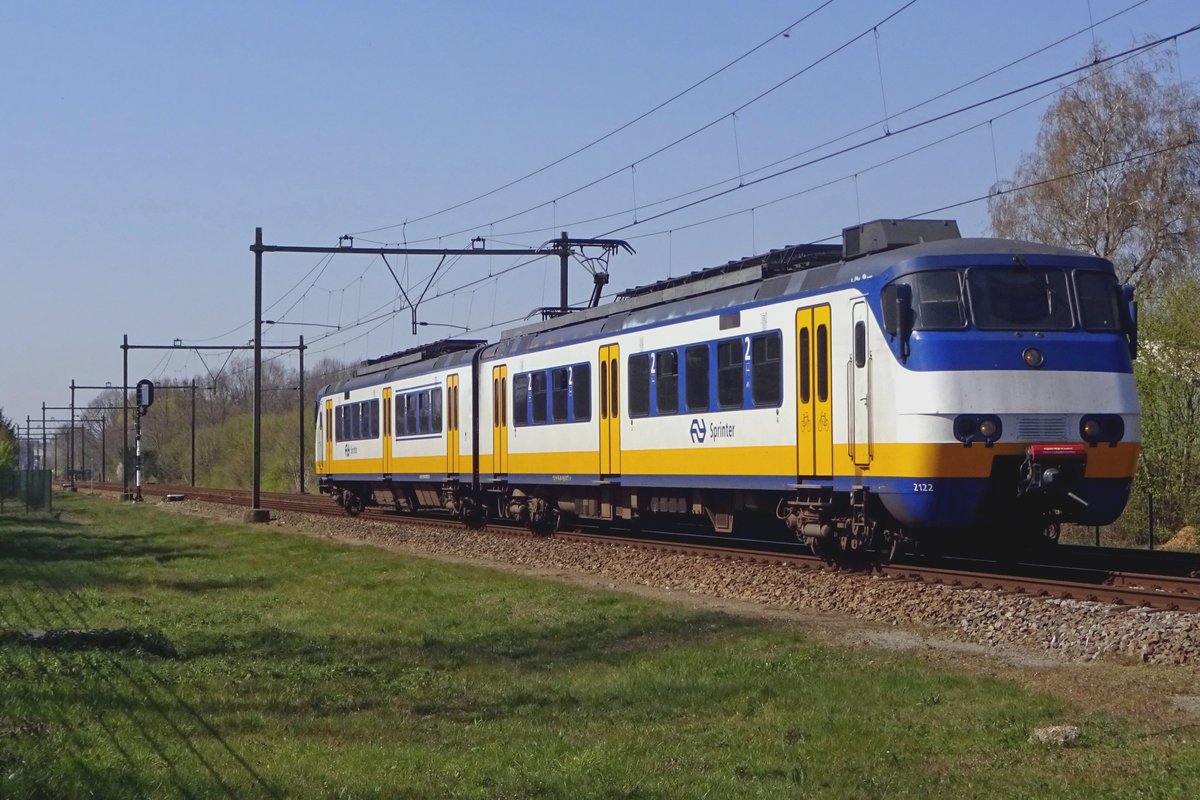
pixel 814 407
pixel 859 369
pixel 386 427
pixel 610 410
pixel 327 449
pixel 452 435
pixel 500 420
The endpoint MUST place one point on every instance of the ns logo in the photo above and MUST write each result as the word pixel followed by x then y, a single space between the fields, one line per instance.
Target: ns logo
pixel 698 430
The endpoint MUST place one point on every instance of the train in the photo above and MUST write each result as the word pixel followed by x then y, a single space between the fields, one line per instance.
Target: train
pixel 908 384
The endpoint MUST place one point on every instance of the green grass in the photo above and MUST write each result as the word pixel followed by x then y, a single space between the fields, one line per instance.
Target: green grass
pixel 216 660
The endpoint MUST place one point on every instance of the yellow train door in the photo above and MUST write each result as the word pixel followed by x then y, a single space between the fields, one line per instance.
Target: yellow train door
pixel 500 420
pixel 452 434
pixel 814 405
pixel 327 464
pixel 610 410
pixel 387 431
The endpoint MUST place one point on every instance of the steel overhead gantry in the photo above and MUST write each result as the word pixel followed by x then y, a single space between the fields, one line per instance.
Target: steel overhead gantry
pixel 563 247
pixel 125 455
pixel 257 347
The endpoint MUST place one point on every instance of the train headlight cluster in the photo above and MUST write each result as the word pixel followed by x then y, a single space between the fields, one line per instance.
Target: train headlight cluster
pixel 971 428
pixel 1097 428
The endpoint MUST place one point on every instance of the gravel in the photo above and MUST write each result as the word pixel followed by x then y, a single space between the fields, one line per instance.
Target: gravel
pixel 1066 630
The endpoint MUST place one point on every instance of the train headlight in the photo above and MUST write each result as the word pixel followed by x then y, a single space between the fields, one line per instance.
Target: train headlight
pixel 1096 428
pixel 1033 357
pixel 971 428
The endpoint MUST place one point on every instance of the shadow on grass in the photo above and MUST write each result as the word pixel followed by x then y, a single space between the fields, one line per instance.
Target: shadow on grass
pixel 65 556
pixel 597 641
pixel 121 639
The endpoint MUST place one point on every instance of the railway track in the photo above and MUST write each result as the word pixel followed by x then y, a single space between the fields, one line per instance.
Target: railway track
pixel 1068 572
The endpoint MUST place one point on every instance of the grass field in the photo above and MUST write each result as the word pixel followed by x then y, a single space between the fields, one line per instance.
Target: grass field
pixel 145 654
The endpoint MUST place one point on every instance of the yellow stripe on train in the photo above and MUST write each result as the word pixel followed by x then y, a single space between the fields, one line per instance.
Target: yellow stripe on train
pixel 888 459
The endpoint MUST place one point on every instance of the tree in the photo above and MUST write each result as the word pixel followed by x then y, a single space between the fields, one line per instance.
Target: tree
pixel 1115 172
pixel 9 449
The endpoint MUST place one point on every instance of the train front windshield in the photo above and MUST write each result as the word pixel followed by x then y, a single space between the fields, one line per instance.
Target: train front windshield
pixel 1008 300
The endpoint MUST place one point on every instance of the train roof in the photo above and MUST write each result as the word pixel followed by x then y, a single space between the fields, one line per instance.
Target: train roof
pixel 725 287
pixel 868 251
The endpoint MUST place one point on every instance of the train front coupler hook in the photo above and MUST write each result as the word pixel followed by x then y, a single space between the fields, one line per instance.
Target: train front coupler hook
pixel 1053 471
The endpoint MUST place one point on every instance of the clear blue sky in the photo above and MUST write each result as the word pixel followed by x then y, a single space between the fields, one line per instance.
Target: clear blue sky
pixel 141 143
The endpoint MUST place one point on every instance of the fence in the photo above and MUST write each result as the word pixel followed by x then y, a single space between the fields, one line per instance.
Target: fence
pixel 25 490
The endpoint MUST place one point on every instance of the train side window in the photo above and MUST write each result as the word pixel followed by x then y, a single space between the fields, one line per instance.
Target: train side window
pixel 581 393
pixel 435 410
pixel 766 385
pixel 639 385
pixel 423 412
pixel 696 380
pixel 411 415
pixel 537 392
pixel 520 403
pixel 399 402
pixel 340 423
pixel 374 419
pixel 356 421
pixel 805 365
pixel 559 394
pixel 667 383
pixel 822 363
pixel 729 374
pixel 860 344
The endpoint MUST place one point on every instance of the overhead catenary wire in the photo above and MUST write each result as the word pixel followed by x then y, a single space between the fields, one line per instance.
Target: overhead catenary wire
pixel 907 129
pixel 808 150
pixel 784 32
pixel 643 206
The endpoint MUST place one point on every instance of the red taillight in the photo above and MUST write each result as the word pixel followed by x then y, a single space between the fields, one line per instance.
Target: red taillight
pixel 1058 452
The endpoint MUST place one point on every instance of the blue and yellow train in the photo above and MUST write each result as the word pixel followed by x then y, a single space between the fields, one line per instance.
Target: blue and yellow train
pixel 907 382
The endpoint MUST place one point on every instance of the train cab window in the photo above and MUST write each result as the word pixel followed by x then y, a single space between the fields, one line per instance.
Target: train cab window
pixel 766 360
pixel 639 385
pixel 822 363
pixel 581 392
pixel 1099 308
pixel 520 403
pixel 937 301
pixel 695 361
pixel 435 410
pixel 560 387
pixel 729 374
pixel 1020 299
pixel 537 393
pixel 667 382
